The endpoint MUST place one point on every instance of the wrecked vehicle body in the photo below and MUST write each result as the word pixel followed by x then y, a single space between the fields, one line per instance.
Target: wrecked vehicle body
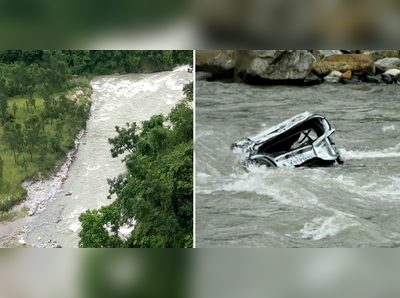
pixel 304 140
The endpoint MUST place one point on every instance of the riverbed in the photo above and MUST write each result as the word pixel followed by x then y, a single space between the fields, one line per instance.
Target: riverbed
pixel 116 100
pixel 352 205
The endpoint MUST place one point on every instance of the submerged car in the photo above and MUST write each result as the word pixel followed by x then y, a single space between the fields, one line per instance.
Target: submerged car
pixel 304 140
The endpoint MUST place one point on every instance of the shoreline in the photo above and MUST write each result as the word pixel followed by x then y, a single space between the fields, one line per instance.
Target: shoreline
pixel 40 193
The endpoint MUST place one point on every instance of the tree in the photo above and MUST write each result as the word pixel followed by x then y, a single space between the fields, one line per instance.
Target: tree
pixel 32 134
pixel 15 108
pixel 1 171
pixel 31 99
pixel 21 77
pixel 125 141
pixel 13 138
pixel 3 108
pixel 100 228
pixel 181 118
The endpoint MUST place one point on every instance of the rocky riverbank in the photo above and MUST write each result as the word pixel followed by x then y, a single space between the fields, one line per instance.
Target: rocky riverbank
pixel 40 193
pixel 299 67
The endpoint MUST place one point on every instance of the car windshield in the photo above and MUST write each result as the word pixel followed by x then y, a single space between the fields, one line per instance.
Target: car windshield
pixel 306 137
pixel 299 137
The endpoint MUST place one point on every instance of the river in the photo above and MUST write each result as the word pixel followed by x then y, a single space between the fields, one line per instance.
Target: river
pixel 116 100
pixel 353 205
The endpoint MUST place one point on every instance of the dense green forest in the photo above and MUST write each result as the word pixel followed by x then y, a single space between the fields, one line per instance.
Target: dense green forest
pixel 156 191
pixel 45 102
pixel 70 62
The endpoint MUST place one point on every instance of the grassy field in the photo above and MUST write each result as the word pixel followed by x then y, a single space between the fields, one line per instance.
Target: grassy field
pixel 11 191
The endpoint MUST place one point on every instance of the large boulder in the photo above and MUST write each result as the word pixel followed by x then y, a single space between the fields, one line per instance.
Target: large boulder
pixel 276 65
pixel 345 62
pixel 215 60
pixel 387 63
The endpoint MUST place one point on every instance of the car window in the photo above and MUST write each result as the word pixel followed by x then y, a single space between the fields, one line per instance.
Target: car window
pixel 306 137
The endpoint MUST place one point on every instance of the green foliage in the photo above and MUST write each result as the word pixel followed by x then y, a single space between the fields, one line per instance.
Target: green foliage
pixel 1 171
pixel 33 135
pixel 156 192
pixel 3 108
pixel 55 66
pixel 126 140
pixel 94 232
pixel 15 108
pixel 13 138
pixel 31 144
pixel 188 91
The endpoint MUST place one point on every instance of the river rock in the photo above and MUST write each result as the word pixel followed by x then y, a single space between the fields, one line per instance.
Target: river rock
pixel 345 81
pixel 345 62
pixel 358 74
pixel 392 72
pixel 214 61
pixel 333 77
pixel 327 53
pixel 202 75
pixel 386 64
pixel 274 64
pixel 312 79
pixel 347 75
pixel 353 80
pixel 387 78
pixel 316 54
pixel 374 79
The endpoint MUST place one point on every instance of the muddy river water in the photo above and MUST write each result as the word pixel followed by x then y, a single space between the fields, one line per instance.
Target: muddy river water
pixel 117 99
pixel 353 205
